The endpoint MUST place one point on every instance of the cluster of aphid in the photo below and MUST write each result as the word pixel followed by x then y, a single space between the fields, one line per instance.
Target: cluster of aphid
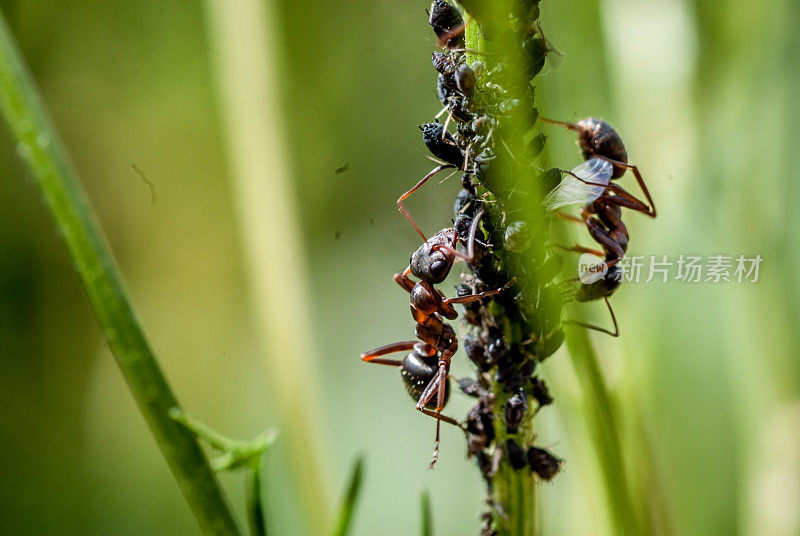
pixel 516 322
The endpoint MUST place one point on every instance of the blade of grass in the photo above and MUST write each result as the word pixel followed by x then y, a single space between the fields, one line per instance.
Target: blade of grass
pixel 45 155
pixel 603 427
pixel 245 56
pixel 350 498
pixel 427 518
pixel 255 502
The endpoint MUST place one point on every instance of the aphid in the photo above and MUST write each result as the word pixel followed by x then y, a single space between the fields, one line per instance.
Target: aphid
pixel 471 387
pixel 474 349
pixel 465 79
pixel 543 463
pixel 480 430
pixel 517 237
pixel 451 100
pixel 447 23
pixel 446 67
pixel 515 454
pixel 540 393
pixel 441 144
pixel 515 410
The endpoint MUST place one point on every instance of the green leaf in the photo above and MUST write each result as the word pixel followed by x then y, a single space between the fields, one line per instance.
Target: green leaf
pixel 348 505
pixel 427 518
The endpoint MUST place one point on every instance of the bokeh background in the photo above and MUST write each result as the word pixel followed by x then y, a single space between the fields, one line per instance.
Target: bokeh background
pixel 705 377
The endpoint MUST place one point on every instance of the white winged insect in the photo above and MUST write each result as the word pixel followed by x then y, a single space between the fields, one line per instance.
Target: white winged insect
pixel 573 189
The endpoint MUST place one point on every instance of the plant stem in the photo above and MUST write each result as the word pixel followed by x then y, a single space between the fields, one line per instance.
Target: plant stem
pixel 426 512
pixel 601 420
pixel 255 500
pixel 245 58
pixel 343 524
pixel 513 491
pixel 42 150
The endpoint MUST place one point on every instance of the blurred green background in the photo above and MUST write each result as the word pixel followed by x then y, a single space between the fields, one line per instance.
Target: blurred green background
pixel 704 377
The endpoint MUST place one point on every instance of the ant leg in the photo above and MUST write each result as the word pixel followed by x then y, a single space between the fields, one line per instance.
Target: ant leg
pixel 373 355
pixel 402 279
pixel 565 124
pixel 435 387
pixel 470 240
pixel 446 122
pixel 614 333
pixel 651 210
pixel 455 32
pixel 443 418
pixel 402 207
pixel 569 217
pixel 604 238
pixel 627 200
pixel 580 249
pixel 469 298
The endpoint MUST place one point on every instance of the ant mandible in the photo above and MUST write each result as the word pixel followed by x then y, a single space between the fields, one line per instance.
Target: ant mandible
pixel 426 369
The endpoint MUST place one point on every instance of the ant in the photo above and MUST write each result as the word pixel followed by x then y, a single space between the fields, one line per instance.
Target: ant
pixel 603 219
pixel 590 184
pixel 425 370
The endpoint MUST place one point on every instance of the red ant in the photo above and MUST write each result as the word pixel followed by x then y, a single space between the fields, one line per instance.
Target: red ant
pixel 426 369
pixel 590 184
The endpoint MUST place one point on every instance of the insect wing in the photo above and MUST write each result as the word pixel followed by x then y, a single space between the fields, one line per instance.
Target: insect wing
pixel 574 191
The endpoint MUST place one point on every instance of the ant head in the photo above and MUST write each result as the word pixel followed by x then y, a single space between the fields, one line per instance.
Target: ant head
pixel 430 263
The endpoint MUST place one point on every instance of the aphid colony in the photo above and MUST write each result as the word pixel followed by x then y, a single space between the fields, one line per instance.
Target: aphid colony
pixel 513 280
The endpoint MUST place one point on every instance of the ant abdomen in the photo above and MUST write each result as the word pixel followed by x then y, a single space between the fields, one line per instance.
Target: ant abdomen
pixel 601 288
pixel 417 372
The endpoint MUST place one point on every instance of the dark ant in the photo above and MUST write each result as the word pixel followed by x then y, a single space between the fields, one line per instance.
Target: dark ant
pixel 602 216
pixel 428 364
pixel 590 184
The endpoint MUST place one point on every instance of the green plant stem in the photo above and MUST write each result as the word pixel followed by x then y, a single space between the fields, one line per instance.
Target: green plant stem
pixel 513 491
pixel 601 420
pixel 427 516
pixel 40 147
pixel 255 501
pixel 245 53
pixel 348 504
